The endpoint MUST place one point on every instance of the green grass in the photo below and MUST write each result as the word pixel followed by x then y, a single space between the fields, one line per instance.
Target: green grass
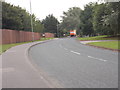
pixel 103 37
pixel 46 38
pixel 5 47
pixel 107 44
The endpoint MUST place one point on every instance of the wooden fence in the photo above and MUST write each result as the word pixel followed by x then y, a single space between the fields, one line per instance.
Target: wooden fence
pixel 14 36
pixel 49 35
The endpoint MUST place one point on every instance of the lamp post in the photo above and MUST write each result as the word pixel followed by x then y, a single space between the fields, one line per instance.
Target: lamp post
pixel 31 21
pixel 57 30
pixel 58 33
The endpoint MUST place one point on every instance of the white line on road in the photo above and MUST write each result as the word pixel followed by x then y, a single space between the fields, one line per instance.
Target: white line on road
pixel 97 58
pixel 75 52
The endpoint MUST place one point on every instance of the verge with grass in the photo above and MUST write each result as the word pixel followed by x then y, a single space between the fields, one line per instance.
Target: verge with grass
pixel 5 47
pixel 103 37
pixel 107 44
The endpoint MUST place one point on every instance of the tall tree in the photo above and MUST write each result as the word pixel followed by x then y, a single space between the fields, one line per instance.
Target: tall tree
pixel 16 18
pixel 50 24
pixel 10 17
pixel 71 19
pixel 99 12
pixel 110 20
pixel 86 26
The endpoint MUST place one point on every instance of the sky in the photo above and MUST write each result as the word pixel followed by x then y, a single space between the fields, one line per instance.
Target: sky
pixel 42 8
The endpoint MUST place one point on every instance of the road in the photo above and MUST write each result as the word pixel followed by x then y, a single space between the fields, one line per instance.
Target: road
pixel 68 63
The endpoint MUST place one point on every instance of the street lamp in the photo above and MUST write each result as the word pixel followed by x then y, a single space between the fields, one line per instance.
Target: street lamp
pixel 31 21
pixel 57 30
pixel 58 33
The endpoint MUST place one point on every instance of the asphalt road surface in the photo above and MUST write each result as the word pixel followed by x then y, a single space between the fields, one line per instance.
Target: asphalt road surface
pixel 68 63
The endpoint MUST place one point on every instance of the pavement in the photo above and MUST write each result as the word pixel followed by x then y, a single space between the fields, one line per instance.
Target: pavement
pixel 17 70
pixel 68 63
pixel 85 42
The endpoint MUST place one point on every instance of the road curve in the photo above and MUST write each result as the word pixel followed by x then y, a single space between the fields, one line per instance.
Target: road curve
pixel 69 64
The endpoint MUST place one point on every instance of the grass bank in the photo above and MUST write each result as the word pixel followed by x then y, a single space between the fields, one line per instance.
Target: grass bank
pixel 107 44
pixel 5 47
pixel 103 37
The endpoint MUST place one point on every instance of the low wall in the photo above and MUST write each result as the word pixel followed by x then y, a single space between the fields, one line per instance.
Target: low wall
pixel 14 36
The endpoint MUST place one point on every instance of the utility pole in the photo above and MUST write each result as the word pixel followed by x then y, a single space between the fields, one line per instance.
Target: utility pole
pixel 31 21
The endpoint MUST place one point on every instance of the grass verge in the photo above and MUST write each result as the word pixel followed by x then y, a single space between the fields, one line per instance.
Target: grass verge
pixel 107 44
pixel 5 47
pixel 103 37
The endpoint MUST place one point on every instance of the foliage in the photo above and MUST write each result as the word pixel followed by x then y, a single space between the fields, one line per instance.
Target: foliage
pixel 105 18
pixel 95 19
pixel 71 20
pixel 50 24
pixel 111 19
pixel 16 18
pixel 99 12
pixel 86 26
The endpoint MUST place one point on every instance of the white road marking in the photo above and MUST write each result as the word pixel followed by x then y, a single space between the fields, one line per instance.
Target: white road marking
pixel 75 52
pixel 97 58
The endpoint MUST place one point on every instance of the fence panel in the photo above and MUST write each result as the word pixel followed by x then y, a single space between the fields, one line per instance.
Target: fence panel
pixel 14 36
pixel 49 35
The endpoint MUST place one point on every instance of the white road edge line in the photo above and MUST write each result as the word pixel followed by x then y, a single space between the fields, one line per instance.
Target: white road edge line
pixel 97 58
pixel 75 52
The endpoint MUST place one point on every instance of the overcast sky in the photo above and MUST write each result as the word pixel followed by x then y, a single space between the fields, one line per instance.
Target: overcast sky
pixel 42 8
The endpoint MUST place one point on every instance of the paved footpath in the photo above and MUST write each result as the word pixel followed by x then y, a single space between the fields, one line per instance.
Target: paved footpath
pixel 17 70
pixel 89 41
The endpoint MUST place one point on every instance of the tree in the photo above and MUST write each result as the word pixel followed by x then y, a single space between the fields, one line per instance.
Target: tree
pixel 10 17
pixel 38 26
pixel 86 16
pixel 71 19
pixel 99 13
pixel 16 18
pixel 50 24
pixel 110 21
pixel 95 19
